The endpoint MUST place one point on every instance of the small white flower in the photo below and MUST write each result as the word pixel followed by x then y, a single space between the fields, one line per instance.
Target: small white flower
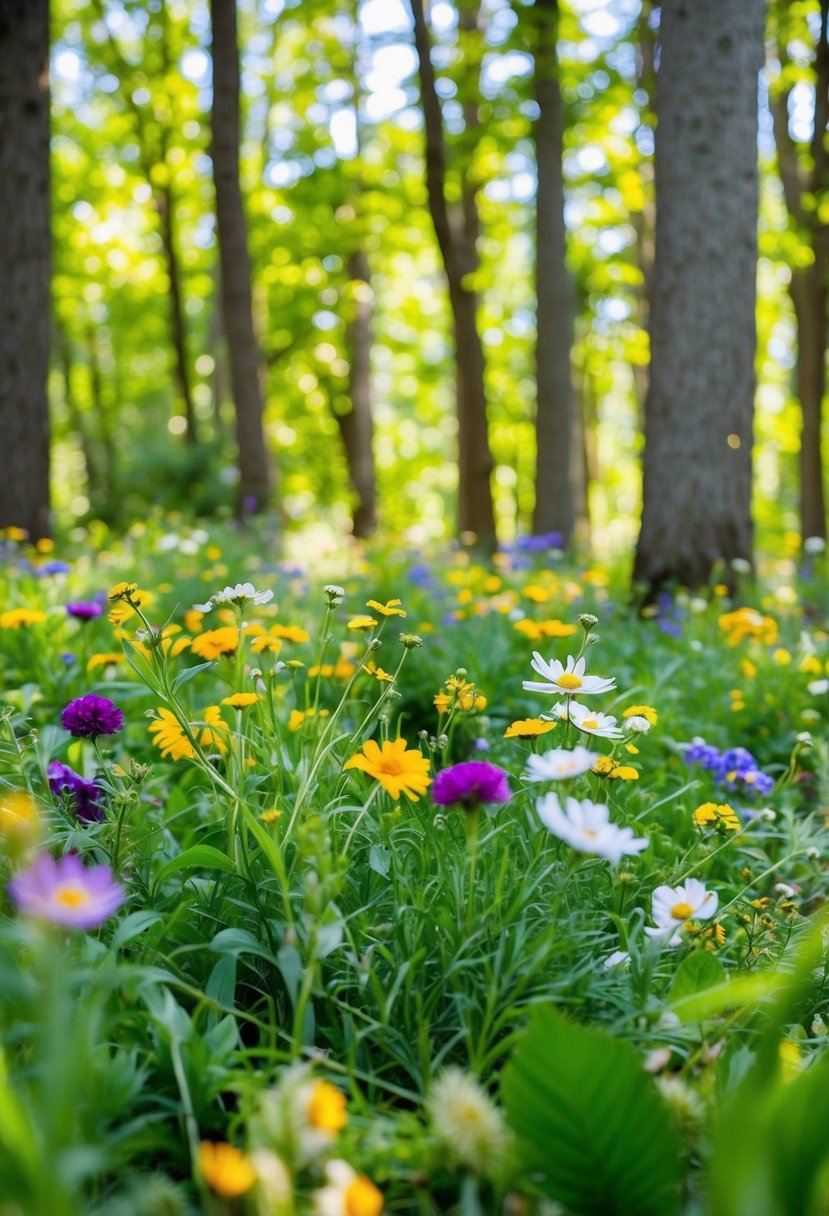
pixel 334 594
pixel 814 544
pixel 565 680
pixel 560 764
pixel 818 687
pixel 697 604
pixel 740 566
pixel 673 906
pixel 586 827
pixel 242 593
pixel 619 958
pixel 696 645
pixel 347 1192
pixel 591 722
pixel 638 724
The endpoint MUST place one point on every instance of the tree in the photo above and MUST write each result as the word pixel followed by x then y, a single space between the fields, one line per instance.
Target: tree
pixel 25 261
pixel 554 498
pixel 255 478
pixel 804 173
pixel 700 401
pixel 456 229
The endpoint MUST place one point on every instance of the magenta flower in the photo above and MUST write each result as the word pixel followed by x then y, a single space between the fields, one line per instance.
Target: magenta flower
pixel 472 783
pixel 85 610
pixel 67 892
pixel 90 716
pixel 87 798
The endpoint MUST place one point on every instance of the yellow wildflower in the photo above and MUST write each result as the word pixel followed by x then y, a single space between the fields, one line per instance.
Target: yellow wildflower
pixel 214 729
pixel 216 642
pixel 170 736
pixel 390 608
pixel 397 768
pixel 226 1170
pixel 641 711
pixel 241 700
pixel 271 816
pixel 106 659
pixel 326 1109
pixel 528 728
pixel 623 772
pixel 15 617
pixel 362 622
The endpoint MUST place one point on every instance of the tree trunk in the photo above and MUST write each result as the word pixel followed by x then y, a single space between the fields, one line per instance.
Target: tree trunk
pixel 165 206
pixel 25 264
pixel 808 289
pixel 700 401
pixel 357 426
pixel 456 240
pixel 255 474
pixel 554 480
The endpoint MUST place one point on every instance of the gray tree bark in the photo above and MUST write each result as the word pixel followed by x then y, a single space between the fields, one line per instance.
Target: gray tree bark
pixel 457 239
pixel 700 402
pixel 255 473
pixel 809 285
pixel 554 476
pixel 25 264
pixel 357 426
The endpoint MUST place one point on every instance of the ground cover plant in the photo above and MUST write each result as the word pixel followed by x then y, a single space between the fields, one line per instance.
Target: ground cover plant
pixel 413 885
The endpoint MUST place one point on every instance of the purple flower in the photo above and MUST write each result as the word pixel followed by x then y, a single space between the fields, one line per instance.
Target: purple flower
pixel 66 892
pixel 472 783
pixel 90 716
pixel 87 797
pixel 85 610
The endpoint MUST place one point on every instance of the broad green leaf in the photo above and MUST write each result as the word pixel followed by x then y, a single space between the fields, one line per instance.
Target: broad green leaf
pixel 695 974
pixel 198 857
pixel 591 1127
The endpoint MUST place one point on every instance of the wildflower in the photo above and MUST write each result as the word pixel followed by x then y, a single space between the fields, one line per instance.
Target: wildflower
pixel 90 716
pixel 641 711
pixel 216 642
pixel 125 591
pixel 710 814
pixel 87 798
pixel 170 736
pixel 528 728
pixel 85 610
pixel 604 766
pixel 107 659
pixel 473 783
pixel 536 630
pixel 19 824
pixel 362 622
pixel 390 608
pixel 818 687
pixel 470 699
pixel 674 906
pixel 567 680
pixel 623 772
pixel 591 722
pixel 214 729
pixel 442 702
pixel 347 1193
pixel 586 827
pixel 748 623
pixel 66 892
pixel 16 617
pixel 226 1169
pixel 241 700
pixel 638 724
pixel 397 769
pixel 334 594
pixel 271 816
pixel 298 716
pixel 411 640
pixel 560 764
pixel 383 677
pixel 290 633
pixel 239 596
pixel 814 545
pixel 325 1107
pixel 467 1121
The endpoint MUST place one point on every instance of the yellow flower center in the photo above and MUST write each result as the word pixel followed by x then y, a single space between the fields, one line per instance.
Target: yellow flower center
pixel 71 896
pixel 327 1108
pixel 681 911
pixel 568 681
pixel 590 723
pixel 362 1198
pixel 392 766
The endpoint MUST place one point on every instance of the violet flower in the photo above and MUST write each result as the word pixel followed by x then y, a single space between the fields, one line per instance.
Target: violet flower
pixel 87 798
pixel 85 610
pixel 67 892
pixel 472 783
pixel 90 716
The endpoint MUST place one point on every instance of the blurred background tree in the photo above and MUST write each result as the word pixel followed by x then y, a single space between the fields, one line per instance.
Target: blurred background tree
pixel 546 126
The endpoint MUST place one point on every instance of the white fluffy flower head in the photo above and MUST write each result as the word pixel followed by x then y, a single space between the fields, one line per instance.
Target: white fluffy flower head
pixel 467 1121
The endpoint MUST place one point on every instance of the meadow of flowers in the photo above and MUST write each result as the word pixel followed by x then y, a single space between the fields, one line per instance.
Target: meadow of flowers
pixel 408 885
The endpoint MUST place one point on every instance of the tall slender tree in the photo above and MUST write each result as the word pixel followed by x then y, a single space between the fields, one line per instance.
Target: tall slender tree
pixel 554 496
pixel 804 173
pixel 255 473
pixel 456 229
pixel 700 401
pixel 25 261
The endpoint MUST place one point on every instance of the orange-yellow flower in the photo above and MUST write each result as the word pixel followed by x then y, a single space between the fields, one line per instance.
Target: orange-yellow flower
pixel 528 728
pixel 170 736
pixel 398 769
pixel 241 700
pixel 362 622
pixel 326 1109
pixel 15 617
pixel 390 608
pixel 216 642
pixel 226 1169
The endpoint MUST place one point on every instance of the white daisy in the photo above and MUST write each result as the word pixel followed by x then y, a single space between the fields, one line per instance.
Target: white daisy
pixel 567 680
pixel 560 764
pixel 347 1193
pixel 637 724
pixel 673 906
pixel 242 593
pixel 591 722
pixel 586 827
